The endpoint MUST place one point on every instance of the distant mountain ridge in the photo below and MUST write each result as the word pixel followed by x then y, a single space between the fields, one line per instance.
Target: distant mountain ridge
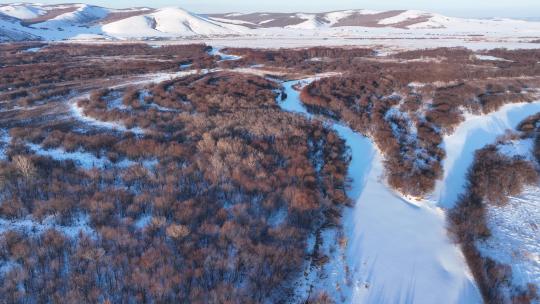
pixel 23 21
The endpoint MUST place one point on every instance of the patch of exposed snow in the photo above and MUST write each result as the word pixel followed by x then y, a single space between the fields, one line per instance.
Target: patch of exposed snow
pixel 31 226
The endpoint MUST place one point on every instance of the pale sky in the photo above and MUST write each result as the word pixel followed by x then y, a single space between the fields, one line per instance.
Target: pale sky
pixel 461 8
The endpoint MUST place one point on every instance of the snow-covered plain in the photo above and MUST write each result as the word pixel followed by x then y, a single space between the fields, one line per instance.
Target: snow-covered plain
pixel 396 252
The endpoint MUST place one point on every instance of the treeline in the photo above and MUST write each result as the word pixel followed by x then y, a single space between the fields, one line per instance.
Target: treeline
pixel 455 54
pixel 309 60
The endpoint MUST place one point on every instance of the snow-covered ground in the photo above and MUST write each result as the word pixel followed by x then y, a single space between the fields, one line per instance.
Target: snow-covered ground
pixel 514 226
pixel 521 148
pixel 515 238
pixel 476 132
pixel 396 252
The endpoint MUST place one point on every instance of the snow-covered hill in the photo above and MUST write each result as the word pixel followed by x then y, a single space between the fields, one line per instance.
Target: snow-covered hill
pixel 22 11
pixel 23 21
pixel 167 22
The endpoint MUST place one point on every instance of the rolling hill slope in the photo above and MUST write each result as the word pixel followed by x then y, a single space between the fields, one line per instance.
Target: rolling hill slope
pixel 23 21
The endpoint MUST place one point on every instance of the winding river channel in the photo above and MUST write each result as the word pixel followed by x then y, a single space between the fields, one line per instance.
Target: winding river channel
pixel 398 250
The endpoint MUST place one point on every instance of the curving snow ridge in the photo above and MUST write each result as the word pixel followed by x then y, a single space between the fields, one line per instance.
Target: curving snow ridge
pixel 167 22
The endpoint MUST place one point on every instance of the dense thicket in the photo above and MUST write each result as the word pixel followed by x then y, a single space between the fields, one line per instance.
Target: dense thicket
pixel 203 207
pixel 59 69
pixel 205 191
